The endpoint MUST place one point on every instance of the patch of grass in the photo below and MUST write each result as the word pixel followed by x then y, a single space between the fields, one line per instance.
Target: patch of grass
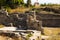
pixel 55 37
pixel 19 9
pixel 29 35
pixel 51 31
pixel 2 26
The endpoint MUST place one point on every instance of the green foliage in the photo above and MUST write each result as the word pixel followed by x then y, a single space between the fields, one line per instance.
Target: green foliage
pixel 29 35
pixel 43 4
pixel 28 3
pixel 17 1
pixel 49 4
pixel 11 3
pixel 2 3
pixel 7 8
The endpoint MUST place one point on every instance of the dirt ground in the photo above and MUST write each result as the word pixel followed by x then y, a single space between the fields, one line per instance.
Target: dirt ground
pixel 9 38
pixel 51 31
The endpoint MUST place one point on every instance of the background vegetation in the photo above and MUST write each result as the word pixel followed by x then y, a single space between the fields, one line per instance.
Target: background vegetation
pixel 17 3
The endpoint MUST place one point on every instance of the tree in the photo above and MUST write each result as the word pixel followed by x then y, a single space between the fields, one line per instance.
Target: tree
pixel 20 1
pixel 28 3
pixel 14 3
pixel 17 1
pixel 2 3
pixel 11 3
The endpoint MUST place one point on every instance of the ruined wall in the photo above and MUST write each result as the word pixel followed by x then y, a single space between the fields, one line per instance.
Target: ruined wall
pixel 51 22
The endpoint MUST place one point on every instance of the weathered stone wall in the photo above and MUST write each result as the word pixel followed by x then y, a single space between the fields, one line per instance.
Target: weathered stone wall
pixel 49 20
